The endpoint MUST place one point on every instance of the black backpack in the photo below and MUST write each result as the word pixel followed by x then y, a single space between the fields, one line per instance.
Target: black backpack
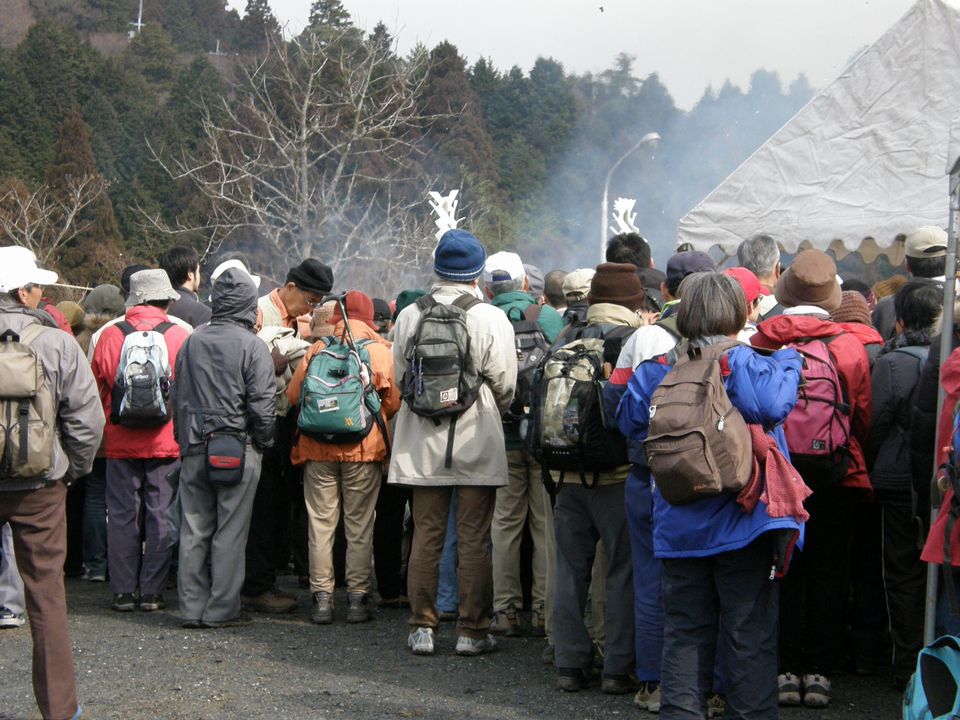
pixel 532 347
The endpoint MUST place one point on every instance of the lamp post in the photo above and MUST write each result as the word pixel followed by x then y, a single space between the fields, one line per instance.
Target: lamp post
pixel 650 139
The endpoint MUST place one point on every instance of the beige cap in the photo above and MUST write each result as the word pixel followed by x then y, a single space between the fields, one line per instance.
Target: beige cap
pixel 926 241
pixel 150 286
pixel 576 285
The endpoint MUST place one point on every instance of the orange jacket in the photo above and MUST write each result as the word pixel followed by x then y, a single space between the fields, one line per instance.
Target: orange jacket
pixel 372 448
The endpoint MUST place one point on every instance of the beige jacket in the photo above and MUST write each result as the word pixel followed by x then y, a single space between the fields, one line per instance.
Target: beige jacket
pixel 293 348
pixel 479 454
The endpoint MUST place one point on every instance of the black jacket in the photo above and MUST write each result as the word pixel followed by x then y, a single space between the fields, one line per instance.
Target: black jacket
pixel 224 374
pixel 894 378
pixel 189 309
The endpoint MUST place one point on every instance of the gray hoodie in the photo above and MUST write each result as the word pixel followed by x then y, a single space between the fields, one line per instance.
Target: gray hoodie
pixel 224 374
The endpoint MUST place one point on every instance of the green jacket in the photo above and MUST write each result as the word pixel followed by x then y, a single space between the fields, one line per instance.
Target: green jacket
pixel 514 304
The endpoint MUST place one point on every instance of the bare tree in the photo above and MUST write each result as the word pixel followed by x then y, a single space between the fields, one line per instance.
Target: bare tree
pixel 317 152
pixel 45 220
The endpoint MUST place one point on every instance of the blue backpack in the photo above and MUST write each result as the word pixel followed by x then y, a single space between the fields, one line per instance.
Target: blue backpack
pixel 932 693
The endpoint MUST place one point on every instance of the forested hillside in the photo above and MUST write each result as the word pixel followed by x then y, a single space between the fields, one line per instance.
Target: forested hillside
pixel 327 143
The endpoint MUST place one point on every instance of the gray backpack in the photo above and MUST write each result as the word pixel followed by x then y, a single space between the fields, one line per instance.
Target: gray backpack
pixel 27 412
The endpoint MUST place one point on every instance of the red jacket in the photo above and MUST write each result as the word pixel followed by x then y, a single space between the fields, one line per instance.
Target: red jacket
pixel 853 366
pixel 933 548
pixel 134 443
pixel 58 317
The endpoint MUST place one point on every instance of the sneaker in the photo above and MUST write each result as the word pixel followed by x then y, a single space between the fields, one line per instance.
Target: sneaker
pixel 124 602
pixel 10 619
pixel 469 647
pixel 788 686
pixel 538 621
pixel 357 611
pixel 617 685
pixel 648 697
pixel 192 624
pixel 322 608
pixel 716 704
pixel 506 622
pixel 241 619
pixel 547 655
pixel 78 714
pixel 420 641
pixel 94 576
pixel 151 603
pixel 816 691
pixel 272 601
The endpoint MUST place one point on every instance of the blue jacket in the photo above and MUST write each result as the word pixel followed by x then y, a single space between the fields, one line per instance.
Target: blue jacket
pixel 764 389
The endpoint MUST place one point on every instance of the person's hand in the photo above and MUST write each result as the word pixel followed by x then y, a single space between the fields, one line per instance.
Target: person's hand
pixel 280 361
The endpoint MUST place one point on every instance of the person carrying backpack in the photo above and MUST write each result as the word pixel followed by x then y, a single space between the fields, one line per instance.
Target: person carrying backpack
pixel 353 368
pixel 457 367
pixel 224 402
pixel 826 434
pixel 44 375
pixel 535 327
pixel 894 379
pixel 719 552
pixel 133 364
pixel 587 458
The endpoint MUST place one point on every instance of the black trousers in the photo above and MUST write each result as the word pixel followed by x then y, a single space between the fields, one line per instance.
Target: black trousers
pixel 388 540
pixel 813 594
pixel 729 595
pixel 904 579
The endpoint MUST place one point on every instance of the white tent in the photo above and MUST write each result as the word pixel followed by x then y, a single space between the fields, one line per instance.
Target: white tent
pixel 864 158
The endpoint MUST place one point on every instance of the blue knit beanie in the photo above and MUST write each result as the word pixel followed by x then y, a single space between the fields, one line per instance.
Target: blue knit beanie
pixel 459 257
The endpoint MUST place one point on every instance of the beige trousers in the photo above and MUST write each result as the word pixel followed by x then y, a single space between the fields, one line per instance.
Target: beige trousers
pixel 324 484
pixel 523 496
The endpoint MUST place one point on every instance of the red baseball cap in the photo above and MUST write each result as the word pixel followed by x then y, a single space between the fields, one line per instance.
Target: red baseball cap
pixel 752 288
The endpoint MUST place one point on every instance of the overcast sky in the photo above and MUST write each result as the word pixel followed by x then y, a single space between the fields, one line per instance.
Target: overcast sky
pixel 690 43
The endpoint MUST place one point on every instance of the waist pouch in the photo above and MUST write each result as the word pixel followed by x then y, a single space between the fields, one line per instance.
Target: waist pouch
pixel 225 452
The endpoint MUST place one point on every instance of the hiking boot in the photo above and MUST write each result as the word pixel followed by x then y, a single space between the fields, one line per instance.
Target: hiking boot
pixel 575 679
pixel 357 610
pixel 272 601
pixel 420 641
pixel 506 622
pixel 716 704
pixel 322 608
pixel 192 624
pixel 469 647
pixel 10 619
pixel 124 602
pixel 788 686
pixel 152 603
pixel 538 621
pixel 617 685
pixel 241 619
pixel 547 655
pixel 816 691
pixel 648 697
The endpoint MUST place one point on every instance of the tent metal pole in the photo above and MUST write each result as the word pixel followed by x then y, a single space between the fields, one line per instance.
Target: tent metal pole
pixel 949 294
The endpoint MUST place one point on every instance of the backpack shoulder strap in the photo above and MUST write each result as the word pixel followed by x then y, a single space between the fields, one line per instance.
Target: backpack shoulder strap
pixel 126 328
pixel 532 313
pixel 163 327
pixel 31 332
pixel 425 302
pixel 465 302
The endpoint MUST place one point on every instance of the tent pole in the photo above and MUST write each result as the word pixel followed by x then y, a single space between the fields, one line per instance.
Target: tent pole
pixel 949 295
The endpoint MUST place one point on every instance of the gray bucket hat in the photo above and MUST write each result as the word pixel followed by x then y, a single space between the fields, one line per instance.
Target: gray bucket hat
pixel 150 286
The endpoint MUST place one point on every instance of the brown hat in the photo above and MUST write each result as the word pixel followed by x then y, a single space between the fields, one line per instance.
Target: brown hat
pixel 811 279
pixel 619 284
pixel 853 309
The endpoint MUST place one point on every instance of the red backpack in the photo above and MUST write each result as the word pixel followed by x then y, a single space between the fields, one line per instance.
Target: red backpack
pixel 818 428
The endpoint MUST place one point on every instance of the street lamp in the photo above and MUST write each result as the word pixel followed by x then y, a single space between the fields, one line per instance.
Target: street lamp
pixel 650 140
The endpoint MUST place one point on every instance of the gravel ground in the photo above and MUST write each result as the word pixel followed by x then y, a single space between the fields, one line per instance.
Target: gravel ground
pixel 137 665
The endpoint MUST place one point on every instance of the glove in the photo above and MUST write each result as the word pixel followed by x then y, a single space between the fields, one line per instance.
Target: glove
pixel 280 361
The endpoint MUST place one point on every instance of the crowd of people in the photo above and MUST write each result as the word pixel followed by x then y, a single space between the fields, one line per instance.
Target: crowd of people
pixel 703 487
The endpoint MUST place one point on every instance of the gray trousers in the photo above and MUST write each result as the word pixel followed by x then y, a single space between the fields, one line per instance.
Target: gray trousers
pixel 581 518
pixel 11 585
pixel 137 498
pixel 729 594
pixel 215 521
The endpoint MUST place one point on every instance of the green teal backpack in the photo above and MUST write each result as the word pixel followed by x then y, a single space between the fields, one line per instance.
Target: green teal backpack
pixel 338 402
pixel 934 690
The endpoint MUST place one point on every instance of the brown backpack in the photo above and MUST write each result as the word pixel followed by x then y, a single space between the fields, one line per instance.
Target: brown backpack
pixel 698 443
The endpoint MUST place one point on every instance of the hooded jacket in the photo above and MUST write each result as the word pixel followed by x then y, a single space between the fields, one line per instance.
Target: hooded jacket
pixel 124 442
pixel 224 373
pixel 79 415
pixel 515 304
pixel 853 366
pixel 479 454
pixel 764 390
pixel 372 448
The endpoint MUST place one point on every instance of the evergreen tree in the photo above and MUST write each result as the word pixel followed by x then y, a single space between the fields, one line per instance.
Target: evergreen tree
pixel 95 254
pixel 258 24
pixel 329 14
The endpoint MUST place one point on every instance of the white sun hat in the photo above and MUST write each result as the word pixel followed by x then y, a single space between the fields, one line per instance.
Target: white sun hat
pixel 18 267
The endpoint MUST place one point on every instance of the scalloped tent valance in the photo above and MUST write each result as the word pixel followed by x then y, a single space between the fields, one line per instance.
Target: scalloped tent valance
pixel 864 158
